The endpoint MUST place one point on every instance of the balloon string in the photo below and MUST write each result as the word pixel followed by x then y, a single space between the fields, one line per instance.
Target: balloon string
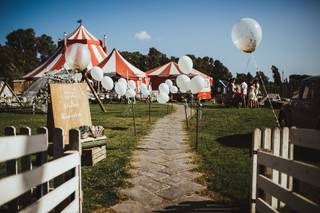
pixel 247 65
pixel 265 90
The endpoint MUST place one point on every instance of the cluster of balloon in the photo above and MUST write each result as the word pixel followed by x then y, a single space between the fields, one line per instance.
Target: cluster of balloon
pixel 97 74
pixel 121 87
pixel 164 90
pixel 77 57
pixel 144 89
pixel 246 35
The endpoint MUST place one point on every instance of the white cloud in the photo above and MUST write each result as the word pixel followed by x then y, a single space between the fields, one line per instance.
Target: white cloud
pixel 143 35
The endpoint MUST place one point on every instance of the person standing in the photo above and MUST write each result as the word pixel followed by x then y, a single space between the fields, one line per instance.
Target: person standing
pixel 244 92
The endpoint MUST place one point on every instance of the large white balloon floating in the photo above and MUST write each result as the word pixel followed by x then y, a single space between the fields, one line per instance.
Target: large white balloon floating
pixel 197 83
pixel 163 98
pixel 183 82
pixel 120 88
pixel 185 64
pixel 132 84
pixel 96 73
pixel 246 35
pixel 144 89
pixel 169 83
pixel 107 83
pixel 77 57
pixel 164 88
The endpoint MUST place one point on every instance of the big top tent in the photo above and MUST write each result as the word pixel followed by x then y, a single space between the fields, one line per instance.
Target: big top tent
pixel 171 70
pixel 116 65
pixel 57 60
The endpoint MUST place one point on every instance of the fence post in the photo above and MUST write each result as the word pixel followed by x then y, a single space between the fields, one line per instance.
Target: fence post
pixel 266 144
pixel 275 152
pixel 12 168
pixel 25 166
pixel 42 158
pixel 256 144
pixel 58 147
pixel 75 144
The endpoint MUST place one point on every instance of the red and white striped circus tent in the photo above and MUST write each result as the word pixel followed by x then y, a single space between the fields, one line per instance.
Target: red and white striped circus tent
pixel 116 65
pixel 57 61
pixel 171 70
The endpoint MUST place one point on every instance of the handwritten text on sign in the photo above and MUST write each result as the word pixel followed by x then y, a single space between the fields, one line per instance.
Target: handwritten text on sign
pixel 70 106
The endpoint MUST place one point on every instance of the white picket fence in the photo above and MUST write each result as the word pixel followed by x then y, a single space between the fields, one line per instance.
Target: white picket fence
pixel 274 168
pixel 29 174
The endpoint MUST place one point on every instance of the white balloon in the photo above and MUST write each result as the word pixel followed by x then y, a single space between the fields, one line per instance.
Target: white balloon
pixel 77 56
pixel 183 82
pixel 124 81
pixel 96 73
pixel 130 93
pixel 185 64
pixel 144 89
pixel 132 84
pixel 197 83
pixel 174 89
pixel 164 88
pixel 162 98
pixel 120 88
pixel 183 91
pixel 246 35
pixel 107 83
pixel 169 83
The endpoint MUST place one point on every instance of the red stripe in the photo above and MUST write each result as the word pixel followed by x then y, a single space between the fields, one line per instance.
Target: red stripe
pixel 103 54
pixel 93 56
pixel 59 63
pixel 105 61
pixel 177 66
pixel 166 72
pixel 122 68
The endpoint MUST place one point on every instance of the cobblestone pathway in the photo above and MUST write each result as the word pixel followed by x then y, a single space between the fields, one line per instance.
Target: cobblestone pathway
pixel 162 173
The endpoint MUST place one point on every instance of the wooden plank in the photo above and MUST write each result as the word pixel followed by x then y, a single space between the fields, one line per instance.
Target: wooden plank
pixel 308 138
pixel 42 158
pixel 293 200
pixel 13 186
pixel 266 139
pixel 285 154
pixel 25 199
pixel 256 144
pixel 21 145
pixel 53 198
pixel 93 139
pixel 276 152
pixel 307 173
pixel 95 143
pixel 263 206
pixel 72 207
pixel 12 169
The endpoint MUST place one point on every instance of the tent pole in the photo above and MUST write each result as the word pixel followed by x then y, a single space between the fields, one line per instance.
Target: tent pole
pixel 93 91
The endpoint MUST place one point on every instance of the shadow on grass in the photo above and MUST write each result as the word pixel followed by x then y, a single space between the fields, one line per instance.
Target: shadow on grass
pixel 199 206
pixel 118 128
pixel 237 141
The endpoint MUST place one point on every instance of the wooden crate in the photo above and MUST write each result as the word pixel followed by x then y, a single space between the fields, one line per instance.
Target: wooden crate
pixel 93 155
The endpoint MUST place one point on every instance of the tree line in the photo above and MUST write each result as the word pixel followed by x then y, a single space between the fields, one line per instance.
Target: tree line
pixel 24 50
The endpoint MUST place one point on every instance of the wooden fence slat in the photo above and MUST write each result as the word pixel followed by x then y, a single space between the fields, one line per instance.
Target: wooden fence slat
pixel 285 154
pixel 53 198
pixel 42 158
pixel 22 182
pixel 58 147
pixel 276 152
pixel 256 144
pixel 263 206
pixel 305 172
pixel 25 199
pixel 292 199
pixel 72 207
pixel 12 168
pixel 308 138
pixel 21 145
pixel 266 140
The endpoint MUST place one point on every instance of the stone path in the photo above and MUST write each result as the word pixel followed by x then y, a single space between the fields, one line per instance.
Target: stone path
pixel 162 173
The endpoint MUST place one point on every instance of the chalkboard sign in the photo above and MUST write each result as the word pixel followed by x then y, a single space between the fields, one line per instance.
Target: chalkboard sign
pixel 70 107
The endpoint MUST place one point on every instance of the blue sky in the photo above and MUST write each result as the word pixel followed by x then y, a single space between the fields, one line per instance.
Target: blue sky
pixel 291 29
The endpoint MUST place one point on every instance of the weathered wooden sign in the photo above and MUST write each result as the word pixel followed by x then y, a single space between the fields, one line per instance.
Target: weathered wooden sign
pixel 70 107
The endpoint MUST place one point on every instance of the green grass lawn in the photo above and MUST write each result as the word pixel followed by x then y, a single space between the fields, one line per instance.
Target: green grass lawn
pixel 101 183
pixel 223 150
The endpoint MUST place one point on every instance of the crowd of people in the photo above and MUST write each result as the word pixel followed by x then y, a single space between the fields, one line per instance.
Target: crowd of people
pixel 245 95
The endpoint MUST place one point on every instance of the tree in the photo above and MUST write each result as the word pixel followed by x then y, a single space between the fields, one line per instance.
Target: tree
pixel 20 54
pixel 262 78
pixel 276 75
pixel 241 77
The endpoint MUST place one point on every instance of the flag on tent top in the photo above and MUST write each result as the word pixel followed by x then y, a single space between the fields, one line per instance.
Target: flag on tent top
pixel 57 60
